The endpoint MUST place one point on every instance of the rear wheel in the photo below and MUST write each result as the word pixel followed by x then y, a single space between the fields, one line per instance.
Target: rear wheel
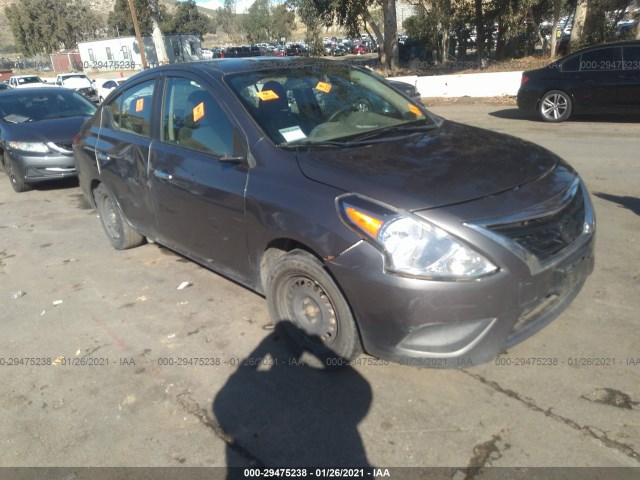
pixel 118 231
pixel 555 106
pixel 16 180
pixel 305 301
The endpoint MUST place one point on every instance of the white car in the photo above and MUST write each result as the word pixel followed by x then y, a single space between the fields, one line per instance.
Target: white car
pixel 27 81
pixel 106 85
pixel 80 83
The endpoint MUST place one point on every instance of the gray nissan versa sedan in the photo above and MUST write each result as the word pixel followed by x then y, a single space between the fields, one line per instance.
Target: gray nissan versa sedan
pixel 365 220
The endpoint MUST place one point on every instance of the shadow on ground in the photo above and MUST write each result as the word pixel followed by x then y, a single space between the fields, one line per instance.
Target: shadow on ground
pixel 277 411
pixel 517 114
pixel 630 203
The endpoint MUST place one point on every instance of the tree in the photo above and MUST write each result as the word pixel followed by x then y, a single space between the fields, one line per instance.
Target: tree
pixel 120 23
pixel 227 18
pixel 556 18
pixel 188 19
pixel 156 32
pixel 310 16
pixel 257 22
pixel 595 21
pixel 44 26
pixel 480 39
pixel 351 14
pixel 283 22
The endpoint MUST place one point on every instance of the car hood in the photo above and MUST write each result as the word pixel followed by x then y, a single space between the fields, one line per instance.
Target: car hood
pixel 451 164
pixel 76 82
pixel 33 85
pixel 50 130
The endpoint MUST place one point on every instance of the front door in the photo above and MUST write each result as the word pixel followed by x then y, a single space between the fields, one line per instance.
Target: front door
pixel 197 186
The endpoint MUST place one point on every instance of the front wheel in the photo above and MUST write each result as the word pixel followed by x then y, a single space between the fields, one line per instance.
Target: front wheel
pixel 16 180
pixel 555 106
pixel 118 231
pixel 304 300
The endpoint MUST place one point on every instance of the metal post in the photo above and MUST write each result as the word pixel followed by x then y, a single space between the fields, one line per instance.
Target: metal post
pixel 134 17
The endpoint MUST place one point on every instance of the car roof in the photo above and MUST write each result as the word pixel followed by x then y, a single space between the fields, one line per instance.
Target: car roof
pixel 16 92
pixel 223 66
pixel 621 43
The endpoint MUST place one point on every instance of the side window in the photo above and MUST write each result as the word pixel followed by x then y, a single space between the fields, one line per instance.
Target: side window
pixel 192 118
pixel 135 113
pixel 112 114
pixel 631 57
pixel 603 59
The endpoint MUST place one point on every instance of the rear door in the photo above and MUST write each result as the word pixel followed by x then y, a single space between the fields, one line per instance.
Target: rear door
pixel 596 87
pixel 629 89
pixel 122 152
pixel 198 177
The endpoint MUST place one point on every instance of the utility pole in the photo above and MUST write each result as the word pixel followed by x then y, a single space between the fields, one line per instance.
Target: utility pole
pixel 134 17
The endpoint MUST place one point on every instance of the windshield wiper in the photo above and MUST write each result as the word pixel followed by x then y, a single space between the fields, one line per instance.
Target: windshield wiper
pixel 322 143
pixel 410 128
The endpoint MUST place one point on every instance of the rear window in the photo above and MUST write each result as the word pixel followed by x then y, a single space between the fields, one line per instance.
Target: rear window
pixel 603 59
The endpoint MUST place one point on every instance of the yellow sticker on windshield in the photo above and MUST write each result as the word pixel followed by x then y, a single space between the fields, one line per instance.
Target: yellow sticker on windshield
pixel 415 110
pixel 323 87
pixel 266 95
pixel 198 111
pixel 139 104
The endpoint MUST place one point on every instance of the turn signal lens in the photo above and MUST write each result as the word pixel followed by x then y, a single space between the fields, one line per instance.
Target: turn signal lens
pixel 369 224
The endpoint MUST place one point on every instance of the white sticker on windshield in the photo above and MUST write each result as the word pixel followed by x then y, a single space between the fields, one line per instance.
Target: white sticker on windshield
pixel 292 134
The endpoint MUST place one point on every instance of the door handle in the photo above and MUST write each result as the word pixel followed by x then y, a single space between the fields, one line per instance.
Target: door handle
pixel 162 174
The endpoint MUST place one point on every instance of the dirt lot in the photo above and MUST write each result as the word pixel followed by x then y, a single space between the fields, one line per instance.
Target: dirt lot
pixel 123 388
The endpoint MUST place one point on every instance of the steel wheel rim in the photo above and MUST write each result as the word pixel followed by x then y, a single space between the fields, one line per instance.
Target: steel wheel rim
pixel 110 217
pixel 311 309
pixel 554 106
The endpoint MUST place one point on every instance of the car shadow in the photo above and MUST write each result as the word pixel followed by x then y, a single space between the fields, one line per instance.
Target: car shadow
pixel 513 114
pixel 517 114
pixel 60 184
pixel 274 410
pixel 630 203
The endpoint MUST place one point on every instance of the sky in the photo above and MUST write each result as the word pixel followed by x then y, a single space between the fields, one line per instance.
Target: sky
pixel 241 5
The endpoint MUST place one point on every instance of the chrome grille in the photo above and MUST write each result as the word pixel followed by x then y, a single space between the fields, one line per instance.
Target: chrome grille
pixel 545 236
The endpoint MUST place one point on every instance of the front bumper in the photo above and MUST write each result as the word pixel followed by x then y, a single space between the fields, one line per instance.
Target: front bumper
pixel 33 168
pixel 457 324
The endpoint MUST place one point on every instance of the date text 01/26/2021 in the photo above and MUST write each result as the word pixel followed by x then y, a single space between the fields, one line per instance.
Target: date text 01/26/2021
pixel 367 472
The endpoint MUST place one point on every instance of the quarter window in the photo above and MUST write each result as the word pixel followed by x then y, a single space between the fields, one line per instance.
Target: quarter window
pixel 192 118
pixel 571 64
pixel 603 59
pixel 631 58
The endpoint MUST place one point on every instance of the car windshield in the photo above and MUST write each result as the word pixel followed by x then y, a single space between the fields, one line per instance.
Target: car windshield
pixel 25 80
pixel 35 106
pixel 321 103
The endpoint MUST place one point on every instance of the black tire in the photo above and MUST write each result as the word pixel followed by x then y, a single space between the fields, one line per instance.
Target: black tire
pixel 304 300
pixel 555 106
pixel 118 231
pixel 16 181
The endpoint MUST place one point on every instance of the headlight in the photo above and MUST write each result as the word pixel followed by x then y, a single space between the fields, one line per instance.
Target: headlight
pixel 413 246
pixel 29 147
